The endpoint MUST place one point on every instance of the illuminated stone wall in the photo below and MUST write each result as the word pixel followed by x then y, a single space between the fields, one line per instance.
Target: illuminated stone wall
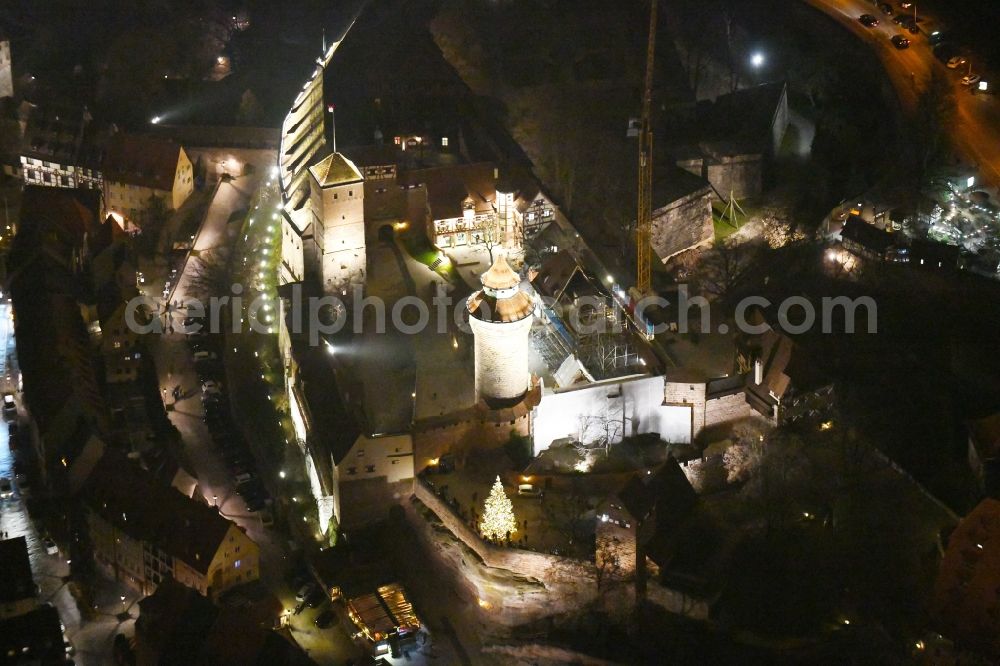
pixel 683 224
pixel 507 585
pixel 501 358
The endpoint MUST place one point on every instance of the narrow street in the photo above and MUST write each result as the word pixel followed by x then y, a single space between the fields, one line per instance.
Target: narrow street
pixel 176 368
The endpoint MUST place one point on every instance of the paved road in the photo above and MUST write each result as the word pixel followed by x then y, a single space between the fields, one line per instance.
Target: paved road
pixel 175 367
pixel 976 130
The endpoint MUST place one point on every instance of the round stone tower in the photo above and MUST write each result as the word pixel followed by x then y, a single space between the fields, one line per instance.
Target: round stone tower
pixel 500 315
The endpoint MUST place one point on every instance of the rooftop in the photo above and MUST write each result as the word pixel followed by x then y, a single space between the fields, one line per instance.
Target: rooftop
pixel 16 581
pixel 143 160
pixel 449 186
pixel 335 169
pixel 36 637
pixel 133 501
pixel 985 436
pixel 866 235
pixel 968 582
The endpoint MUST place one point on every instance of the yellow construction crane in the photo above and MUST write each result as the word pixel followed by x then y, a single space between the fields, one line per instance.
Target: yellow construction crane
pixel 644 218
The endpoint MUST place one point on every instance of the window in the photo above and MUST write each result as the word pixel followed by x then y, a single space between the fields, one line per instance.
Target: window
pixel 361 453
pixel 444 142
pixel 352 470
pixel 350 193
pixel 369 468
pixel 334 195
pixel 237 563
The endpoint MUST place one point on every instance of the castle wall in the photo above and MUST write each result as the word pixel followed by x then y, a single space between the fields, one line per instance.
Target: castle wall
pixel 460 436
pixel 741 175
pixel 727 408
pixel 511 586
pixel 683 224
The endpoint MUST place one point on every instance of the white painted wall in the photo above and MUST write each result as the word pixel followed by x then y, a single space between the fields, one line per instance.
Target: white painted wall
pixel 611 409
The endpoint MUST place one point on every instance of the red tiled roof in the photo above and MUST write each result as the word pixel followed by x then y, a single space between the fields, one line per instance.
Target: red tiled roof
pixel 967 590
pixel 142 160
pixel 448 186
pixel 133 501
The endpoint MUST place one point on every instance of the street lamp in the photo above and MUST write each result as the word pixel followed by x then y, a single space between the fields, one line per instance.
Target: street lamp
pixel 757 59
pixel 215 501
pixel 122 597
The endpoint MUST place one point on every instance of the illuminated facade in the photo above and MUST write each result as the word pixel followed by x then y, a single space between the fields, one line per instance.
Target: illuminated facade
pixel 500 316
pixel 338 221
pixel 6 73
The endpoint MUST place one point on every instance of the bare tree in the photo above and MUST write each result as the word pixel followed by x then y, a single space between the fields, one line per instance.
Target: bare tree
pixel 492 234
pixel 210 275
pixel 609 568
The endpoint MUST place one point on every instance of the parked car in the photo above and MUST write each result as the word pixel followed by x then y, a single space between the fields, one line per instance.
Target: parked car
pixel 886 8
pixel 529 490
pixel 304 592
pixel 324 619
pixel 254 503
pixel 211 387
pixel 970 79
pixel 50 546
pixel 900 42
pixel 868 20
pixel 9 407
pixel 6 488
pixel 244 477
pixel 956 61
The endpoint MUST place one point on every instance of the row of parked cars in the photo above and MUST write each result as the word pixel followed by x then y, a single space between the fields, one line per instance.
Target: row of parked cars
pixel 226 436
pixel 954 57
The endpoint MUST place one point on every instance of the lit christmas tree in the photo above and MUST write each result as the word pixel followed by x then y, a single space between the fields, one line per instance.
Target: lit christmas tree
pixel 498 514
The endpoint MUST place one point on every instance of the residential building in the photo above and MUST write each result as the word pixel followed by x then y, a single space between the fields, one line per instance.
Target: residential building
pixel 140 168
pixel 866 240
pixel 142 531
pixel 784 382
pixel 62 147
pixel 649 507
pixel 966 601
pixel 178 626
pixel 47 270
pixel 371 474
pixel 18 592
pixel 984 454
pixel 34 638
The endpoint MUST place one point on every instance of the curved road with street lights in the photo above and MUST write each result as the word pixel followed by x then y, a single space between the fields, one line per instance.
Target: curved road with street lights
pixel 976 128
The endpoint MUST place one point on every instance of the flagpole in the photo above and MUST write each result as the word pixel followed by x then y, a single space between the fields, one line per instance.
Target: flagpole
pixel 333 122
